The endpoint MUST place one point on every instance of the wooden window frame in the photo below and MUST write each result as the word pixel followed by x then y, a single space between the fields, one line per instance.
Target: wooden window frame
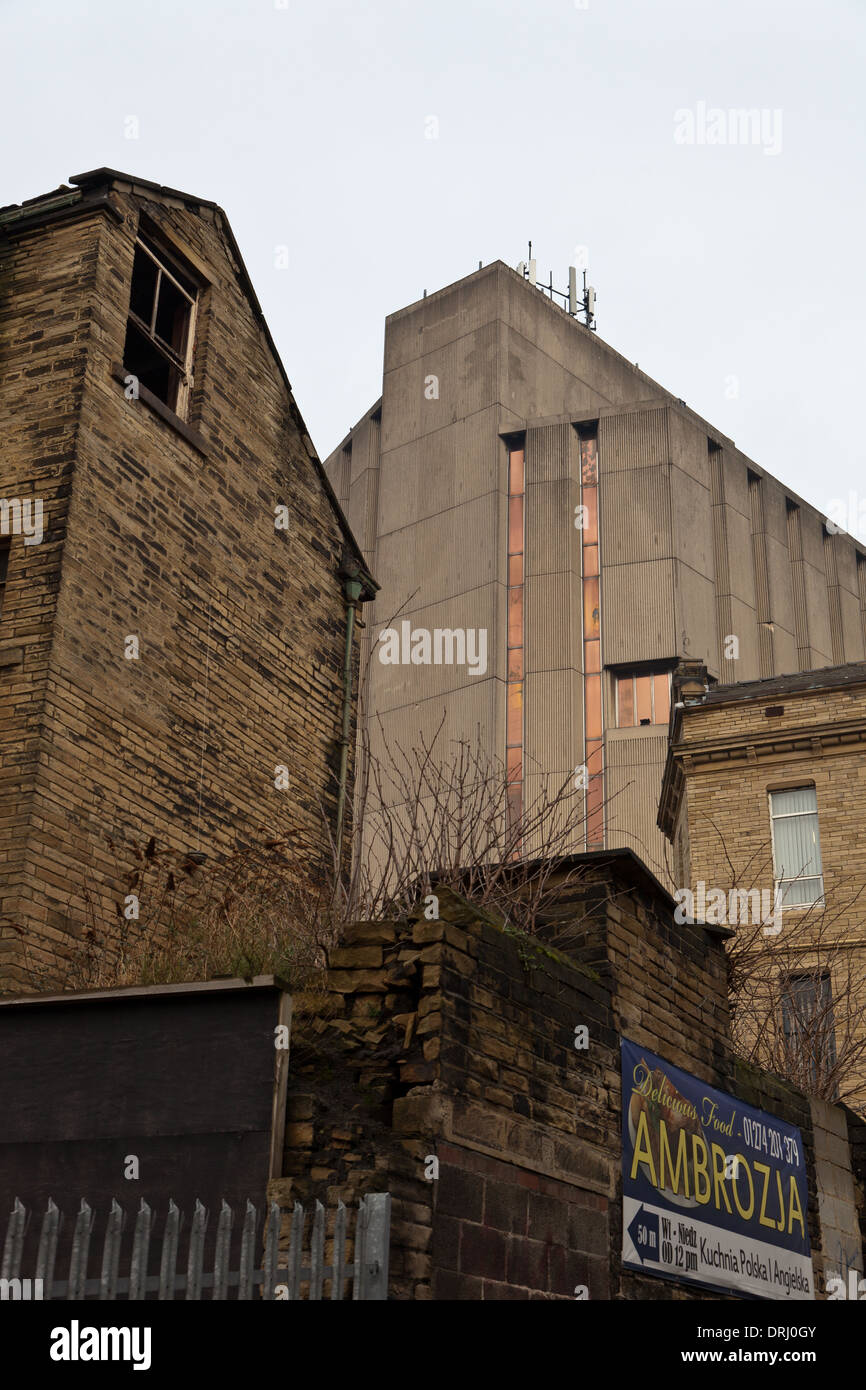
pixel 182 364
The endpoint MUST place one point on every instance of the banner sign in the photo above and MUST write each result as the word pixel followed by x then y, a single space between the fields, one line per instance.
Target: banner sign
pixel 713 1191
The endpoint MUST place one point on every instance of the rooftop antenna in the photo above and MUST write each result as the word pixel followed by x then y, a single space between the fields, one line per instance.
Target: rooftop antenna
pixel 573 303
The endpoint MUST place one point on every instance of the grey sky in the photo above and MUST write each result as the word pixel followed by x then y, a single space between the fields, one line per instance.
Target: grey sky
pixel 731 275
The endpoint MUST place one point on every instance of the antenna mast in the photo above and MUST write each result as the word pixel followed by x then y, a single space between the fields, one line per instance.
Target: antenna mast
pixel 573 305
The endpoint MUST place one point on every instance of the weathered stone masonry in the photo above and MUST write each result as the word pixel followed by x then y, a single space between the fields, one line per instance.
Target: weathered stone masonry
pixel 162 529
pixel 454 1039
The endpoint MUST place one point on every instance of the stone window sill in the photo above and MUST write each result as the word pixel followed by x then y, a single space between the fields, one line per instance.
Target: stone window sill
pixel 162 410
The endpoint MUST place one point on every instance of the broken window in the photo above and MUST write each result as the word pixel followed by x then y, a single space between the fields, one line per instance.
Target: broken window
pixel 161 326
pixel 643 699
pixel 5 543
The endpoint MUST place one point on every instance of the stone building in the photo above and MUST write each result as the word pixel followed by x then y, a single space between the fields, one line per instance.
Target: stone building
pixel 176 575
pixel 765 794
pixel 520 479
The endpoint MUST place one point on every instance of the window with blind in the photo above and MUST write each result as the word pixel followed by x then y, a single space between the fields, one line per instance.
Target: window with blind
pixel 796 847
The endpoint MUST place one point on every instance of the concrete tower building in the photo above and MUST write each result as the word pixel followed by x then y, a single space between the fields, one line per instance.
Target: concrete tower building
pixel 570 530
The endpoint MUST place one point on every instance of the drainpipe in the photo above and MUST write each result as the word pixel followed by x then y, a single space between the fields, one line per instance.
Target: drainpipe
pixel 352 587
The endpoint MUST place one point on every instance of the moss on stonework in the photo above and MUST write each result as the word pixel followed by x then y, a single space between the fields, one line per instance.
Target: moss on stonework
pixel 529 946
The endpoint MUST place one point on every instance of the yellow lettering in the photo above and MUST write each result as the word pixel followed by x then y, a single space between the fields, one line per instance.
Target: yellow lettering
pixel 642 1150
pixel 763 1168
pixel 781 1221
pixel 674 1184
pixel 719 1177
pixel 701 1169
pixel 743 1167
pixel 794 1201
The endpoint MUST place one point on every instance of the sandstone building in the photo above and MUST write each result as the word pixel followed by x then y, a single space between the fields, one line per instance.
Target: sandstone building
pixel 176 575
pixel 765 793
pixel 520 479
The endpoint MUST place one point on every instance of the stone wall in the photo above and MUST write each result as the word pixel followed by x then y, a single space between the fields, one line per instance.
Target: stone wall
pixel 162 530
pixel 454 1040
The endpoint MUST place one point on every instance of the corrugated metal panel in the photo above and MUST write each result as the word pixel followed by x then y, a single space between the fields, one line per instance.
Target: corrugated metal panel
pixel 635 515
pixel 635 440
pixel 638 612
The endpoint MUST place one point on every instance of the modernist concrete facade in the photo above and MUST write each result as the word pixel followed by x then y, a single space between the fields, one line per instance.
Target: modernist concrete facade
pixel 696 545
pixel 176 633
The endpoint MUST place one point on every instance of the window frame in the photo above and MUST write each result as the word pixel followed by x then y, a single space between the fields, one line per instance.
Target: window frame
pixel 822 1005
pixel 5 557
pixel 634 676
pixel 779 883
pixel 182 364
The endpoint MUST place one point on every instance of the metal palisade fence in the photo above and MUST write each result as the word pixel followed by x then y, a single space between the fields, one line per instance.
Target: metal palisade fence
pixel 282 1275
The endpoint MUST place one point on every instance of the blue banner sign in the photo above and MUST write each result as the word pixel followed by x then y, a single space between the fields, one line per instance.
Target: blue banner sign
pixel 713 1191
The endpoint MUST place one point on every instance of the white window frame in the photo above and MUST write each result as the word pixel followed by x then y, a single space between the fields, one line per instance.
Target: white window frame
pixel 779 883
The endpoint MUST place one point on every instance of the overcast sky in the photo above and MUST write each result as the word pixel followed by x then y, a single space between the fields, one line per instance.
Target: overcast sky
pixel 731 272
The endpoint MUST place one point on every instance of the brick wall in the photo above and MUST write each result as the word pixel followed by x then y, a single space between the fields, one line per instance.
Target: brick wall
pixel 46 287
pixel 241 627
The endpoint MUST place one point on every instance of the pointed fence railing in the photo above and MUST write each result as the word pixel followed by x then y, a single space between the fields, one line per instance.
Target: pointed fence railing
pixel 281 1276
